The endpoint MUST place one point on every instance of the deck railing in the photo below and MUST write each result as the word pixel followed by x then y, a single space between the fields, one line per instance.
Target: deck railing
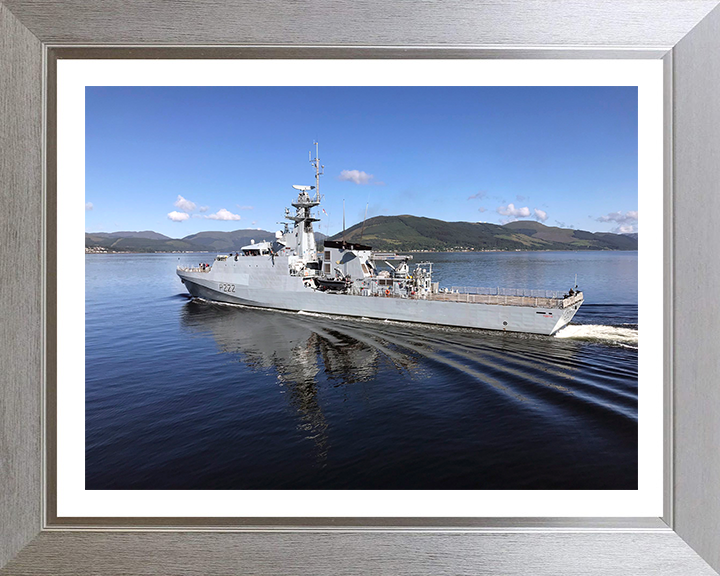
pixel 194 269
pixel 497 299
pixel 497 291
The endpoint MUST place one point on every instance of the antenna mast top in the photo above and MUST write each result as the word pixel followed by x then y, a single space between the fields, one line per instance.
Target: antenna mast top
pixel 319 170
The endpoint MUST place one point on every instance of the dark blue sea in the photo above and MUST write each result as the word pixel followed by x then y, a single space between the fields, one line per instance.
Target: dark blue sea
pixel 184 394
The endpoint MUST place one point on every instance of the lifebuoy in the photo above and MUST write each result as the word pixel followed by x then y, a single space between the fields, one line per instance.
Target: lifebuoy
pixel 387 292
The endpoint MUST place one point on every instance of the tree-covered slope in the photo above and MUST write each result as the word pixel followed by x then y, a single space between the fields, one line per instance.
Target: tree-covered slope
pixel 417 233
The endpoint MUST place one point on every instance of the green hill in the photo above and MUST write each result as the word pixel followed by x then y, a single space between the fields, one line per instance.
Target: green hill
pixel 395 233
pixel 147 234
pixel 134 244
pixel 403 233
pixel 154 242
pixel 201 242
pixel 227 241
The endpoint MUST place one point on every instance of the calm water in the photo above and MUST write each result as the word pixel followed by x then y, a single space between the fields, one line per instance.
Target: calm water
pixel 191 395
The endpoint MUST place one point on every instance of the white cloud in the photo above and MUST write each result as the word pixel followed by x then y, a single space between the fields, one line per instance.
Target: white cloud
pixel 253 223
pixel 521 198
pixel 478 195
pixel 513 212
pixel 482 209
pixel 540 215
pixel 176 216
pixel 244 207
pixel 357 176
pixel 184 204
pixel 626 229
pixel 627 223
pixel 89 206
pixel 630 217
pixel 223 214
pixel 204 208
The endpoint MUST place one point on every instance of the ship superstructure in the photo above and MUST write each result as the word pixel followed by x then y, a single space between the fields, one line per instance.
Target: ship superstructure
pixel 350 279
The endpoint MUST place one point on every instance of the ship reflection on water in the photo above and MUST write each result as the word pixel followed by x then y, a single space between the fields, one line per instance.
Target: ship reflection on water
pixel 391 405
pixel 189 395
pixel 300 349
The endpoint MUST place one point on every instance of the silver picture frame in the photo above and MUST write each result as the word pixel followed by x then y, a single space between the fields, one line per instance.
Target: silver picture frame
pixel 685 34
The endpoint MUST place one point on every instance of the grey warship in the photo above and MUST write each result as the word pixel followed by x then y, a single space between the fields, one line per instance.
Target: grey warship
pixel 351 279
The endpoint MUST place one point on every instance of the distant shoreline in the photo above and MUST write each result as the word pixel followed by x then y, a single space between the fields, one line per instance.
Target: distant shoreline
pixel 384 233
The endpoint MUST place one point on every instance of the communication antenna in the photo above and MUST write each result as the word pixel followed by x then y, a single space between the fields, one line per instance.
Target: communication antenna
pixel 343 220
pixel 575 281
pixel 319 170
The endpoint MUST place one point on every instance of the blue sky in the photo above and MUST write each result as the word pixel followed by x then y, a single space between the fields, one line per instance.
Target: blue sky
pixel 179 160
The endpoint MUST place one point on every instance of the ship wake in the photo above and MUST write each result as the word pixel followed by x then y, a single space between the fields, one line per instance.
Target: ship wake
pixel 614 335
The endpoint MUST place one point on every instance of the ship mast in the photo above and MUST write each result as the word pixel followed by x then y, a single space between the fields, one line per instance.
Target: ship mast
pixel 319 170
pixel 304 237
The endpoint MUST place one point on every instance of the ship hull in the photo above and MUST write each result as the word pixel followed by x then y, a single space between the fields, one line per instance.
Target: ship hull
pixel 273 288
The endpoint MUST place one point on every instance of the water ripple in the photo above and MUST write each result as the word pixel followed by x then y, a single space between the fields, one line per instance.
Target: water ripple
pixel 194 395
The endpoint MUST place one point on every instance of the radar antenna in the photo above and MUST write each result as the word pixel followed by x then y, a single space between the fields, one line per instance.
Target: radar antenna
pixel 319 170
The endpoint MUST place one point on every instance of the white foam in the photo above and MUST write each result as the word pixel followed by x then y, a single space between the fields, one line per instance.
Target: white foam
pixel 609 334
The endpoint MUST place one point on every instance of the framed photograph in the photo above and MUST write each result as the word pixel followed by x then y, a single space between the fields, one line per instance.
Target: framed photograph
pixel 440 343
